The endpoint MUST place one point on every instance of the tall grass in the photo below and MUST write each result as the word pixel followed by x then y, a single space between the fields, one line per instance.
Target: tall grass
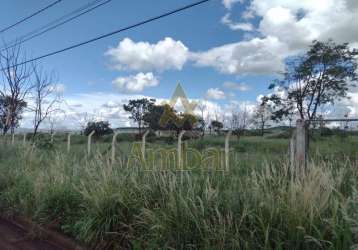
pixel 111 207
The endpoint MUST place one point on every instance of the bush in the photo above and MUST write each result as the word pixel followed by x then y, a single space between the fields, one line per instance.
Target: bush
pixel 325 131
pixel 101 128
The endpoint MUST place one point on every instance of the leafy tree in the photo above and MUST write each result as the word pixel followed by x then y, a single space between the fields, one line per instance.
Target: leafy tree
pixel 185 122
pixel 321 76
pixel 153 116
pixel 138 108
pixel 216 125
pixel 101 128
pixel 164 117
pixel 10 112
pixel 262 115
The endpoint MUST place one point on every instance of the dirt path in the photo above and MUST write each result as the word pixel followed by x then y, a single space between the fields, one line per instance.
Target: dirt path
pixel 15 237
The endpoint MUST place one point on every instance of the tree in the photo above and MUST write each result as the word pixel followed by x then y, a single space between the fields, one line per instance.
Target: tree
pixel 153 116
pixel 240 120
pixel 138 108
pixel 16 85
pixel 216 125
pixel 262 115
pixel 5 107
pixel 185 121
pixel 55 117
pixel 45 97
pixel 201 121
pixel 164 117
pixel 101 128
pixel 321 76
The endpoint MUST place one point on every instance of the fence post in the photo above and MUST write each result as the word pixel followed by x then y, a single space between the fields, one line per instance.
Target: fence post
pixel 12 138
pixel 301 144
pixel 89 142
pixel 292 150
pixel 180 148
pixel 52 134
pixel 68 142
pixel 24 140
pixel 143 143
pixel 227 149
pixel 114 140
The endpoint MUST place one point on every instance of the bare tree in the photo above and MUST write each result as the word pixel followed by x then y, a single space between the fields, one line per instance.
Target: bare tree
pixel 262 116
pixel 240 120
pixel 55 117
pixel 16 85
pixel 46 97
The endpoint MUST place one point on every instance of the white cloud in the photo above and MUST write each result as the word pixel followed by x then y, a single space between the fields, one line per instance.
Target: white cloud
pixel 236 26
pixel 136 83
pixel 297 23
pixel 215 93
pixel 257 56
pixel 286 27
pixel 143 56
pixel 236 86
pixel 229 3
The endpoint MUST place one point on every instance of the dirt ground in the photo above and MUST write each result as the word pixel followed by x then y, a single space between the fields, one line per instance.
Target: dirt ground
pixel 15 237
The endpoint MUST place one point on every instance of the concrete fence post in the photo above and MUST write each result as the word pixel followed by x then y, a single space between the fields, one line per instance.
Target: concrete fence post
pixel 114 140
pixel 68 142
pixel 292 150
pixel 143 143
pixel 89 142
pixel 24 140
pixel 301 144
pixel 52 135
pixel 180 148
pixel 12 138
pixel 227 149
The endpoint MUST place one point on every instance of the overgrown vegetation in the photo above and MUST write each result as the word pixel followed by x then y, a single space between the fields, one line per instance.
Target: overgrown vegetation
pixel 258 204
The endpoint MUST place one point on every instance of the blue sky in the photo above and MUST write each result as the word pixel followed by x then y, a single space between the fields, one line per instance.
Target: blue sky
pixel 238 41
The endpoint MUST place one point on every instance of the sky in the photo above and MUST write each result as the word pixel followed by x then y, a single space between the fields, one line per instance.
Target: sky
pixel 224 53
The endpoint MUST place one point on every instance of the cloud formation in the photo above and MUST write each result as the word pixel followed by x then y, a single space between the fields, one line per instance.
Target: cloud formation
pixel 286 27
pixel 136 83
pixel 245 26
pixel 215 93
pixel 144 56
pixel 236 86
pixel 257 56
pixel 229 3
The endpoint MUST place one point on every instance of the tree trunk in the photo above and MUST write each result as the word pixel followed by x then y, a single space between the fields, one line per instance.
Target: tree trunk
pixel 35 131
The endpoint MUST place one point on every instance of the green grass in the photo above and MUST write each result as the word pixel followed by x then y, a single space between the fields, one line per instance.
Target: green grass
pixel 258 204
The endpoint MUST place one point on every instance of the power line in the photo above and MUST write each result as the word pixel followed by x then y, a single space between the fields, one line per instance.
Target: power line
pixel 56 23
pixel 112 33
pixel 28 17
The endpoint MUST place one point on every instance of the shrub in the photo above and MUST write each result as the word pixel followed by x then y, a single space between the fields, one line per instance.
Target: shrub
pixel 101 128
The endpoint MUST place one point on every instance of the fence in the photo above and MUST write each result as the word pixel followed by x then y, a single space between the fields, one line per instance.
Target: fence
pixel 179 149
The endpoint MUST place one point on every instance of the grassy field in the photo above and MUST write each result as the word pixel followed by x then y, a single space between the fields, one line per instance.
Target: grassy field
pixel 258 204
